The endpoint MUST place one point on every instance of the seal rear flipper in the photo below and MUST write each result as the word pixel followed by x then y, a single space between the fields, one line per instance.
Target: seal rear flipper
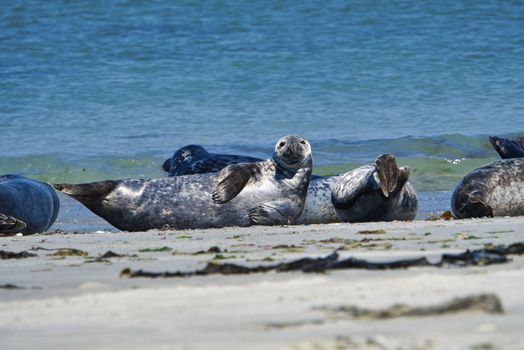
pixel 269 214
pixel 92 190
pixel 232 181
pixel 387 173
pixel 507 148
pixel 465 204
pixel 10 224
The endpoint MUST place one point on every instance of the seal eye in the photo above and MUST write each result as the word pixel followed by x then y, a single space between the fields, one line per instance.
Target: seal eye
pixel 303 142
pixel 281 144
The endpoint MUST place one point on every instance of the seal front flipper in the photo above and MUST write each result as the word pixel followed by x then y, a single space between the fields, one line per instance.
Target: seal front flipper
pixel 387 173
pixel 9 224
pixel 507 148
pixel 272 213
pixel 232 181
pixel 92 190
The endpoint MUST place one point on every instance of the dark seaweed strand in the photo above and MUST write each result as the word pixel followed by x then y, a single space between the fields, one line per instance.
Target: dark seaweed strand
pixel 480 257
pixel 4 254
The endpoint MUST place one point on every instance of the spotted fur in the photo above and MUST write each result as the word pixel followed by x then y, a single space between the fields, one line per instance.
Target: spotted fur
pixel 269 192
pixel 321 206
pixel 496 189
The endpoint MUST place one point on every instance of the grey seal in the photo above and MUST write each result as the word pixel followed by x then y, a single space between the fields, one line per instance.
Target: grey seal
pixel 496 189
pixel 270 192
pixel 375 192
pixel 26 206
pixel 508 148
pixel 378 192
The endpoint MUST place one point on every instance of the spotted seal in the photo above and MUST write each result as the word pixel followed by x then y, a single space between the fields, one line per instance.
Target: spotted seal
pixel 376 192
pixel 496 189
pixel 508 148
pixel 26 206
pixel 269 192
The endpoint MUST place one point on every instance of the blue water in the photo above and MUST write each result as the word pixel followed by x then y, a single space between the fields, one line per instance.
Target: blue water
pixel 94 90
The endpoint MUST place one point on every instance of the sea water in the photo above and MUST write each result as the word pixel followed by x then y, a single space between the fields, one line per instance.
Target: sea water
pixel 109 89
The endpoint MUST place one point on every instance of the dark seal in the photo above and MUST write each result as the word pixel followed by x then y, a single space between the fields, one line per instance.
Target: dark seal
pixel 376 192
pixel 26 206
pixel 195 159
pixel 270 192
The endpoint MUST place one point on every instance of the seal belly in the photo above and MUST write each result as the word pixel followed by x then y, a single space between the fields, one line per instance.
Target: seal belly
pixel 318 208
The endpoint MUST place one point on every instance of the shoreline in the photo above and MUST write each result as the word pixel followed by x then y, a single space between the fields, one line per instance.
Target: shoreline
pixel 82 300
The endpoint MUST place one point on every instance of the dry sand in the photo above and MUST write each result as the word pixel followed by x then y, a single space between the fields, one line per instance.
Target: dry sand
pixel 83 303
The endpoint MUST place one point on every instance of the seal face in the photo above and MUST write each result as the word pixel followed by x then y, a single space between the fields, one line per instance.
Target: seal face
pixel 369 193
pixel 269 192
pixel 26 206
pixel 496 189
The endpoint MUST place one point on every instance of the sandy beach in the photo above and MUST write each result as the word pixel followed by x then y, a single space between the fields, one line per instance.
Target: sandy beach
pixel 66 298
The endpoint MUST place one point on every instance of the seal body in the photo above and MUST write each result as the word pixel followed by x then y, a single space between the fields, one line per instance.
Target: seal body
pixel 26 206
pixel 353 196
pixel 270 192
pixel 363 195
pixel 496 189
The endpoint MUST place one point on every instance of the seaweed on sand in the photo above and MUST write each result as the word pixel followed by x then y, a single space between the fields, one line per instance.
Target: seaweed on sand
pixel 479 257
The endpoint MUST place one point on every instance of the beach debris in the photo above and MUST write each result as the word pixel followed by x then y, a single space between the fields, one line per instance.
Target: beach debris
pixel 447 215
pixel 4 255
pixel 372 232
pixel 488 303
pixel 63 252
pixel 480 257
pixel 156 250
pixel 10 286
pixel 110 254
pixel 166 227
pixel 512 249
pixel 223 257
pixel 211 250
pixel 465 235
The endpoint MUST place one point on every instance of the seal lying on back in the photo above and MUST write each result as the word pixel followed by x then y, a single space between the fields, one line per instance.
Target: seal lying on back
pixel 507 148
pixel 269 192
pixel 26 206
pixel 377 192
pixel 496 189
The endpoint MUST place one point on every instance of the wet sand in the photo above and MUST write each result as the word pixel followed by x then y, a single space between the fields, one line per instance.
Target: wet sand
pixel 66 298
